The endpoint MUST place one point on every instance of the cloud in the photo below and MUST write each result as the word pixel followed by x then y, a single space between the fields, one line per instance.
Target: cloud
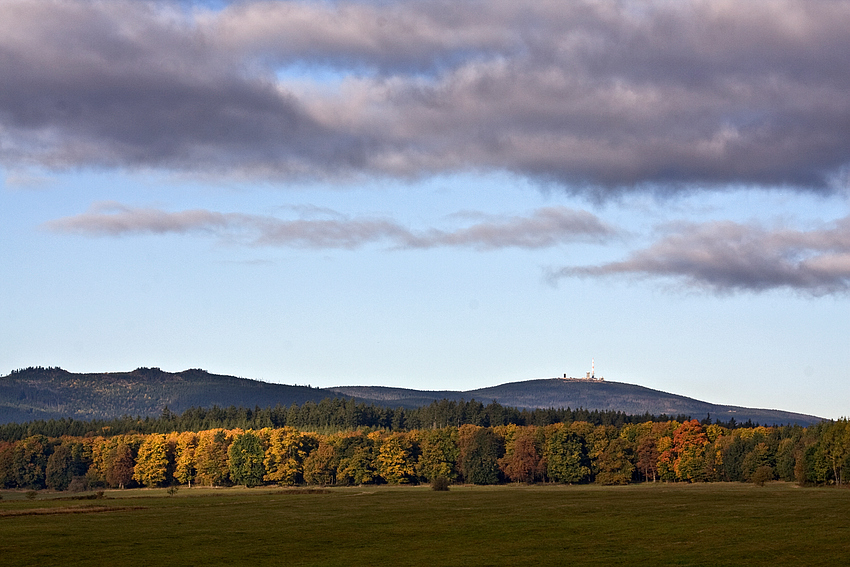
pixel 730 257
pixel 546 227
pixel 323 229
pixel 597 97
pixel 27 180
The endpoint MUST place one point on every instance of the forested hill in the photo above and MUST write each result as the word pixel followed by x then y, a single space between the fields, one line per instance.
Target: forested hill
pixel 603 396
pixel 53 393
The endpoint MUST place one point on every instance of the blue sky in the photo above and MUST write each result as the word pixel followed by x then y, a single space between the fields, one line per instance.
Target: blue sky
pixel 432 195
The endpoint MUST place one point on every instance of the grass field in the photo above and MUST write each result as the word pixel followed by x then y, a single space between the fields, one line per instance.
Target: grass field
pixel 701 524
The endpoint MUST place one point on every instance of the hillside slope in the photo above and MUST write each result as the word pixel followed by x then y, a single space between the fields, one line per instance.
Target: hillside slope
pixel 53 393
pixel 557 393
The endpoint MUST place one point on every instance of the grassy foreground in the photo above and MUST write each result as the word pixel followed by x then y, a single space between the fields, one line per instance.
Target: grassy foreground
pixel 707 524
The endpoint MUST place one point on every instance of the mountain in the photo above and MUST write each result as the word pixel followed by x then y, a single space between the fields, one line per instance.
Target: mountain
pixel 53 393
pixel 587 394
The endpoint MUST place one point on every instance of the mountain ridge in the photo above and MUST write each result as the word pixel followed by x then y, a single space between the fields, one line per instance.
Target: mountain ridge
pixel 588 394
pixel 53 393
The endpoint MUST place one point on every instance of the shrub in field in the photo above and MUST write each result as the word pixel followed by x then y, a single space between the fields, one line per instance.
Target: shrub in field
pixel 31 494
pixel 440 483
pixel 761 475
pixel 78 484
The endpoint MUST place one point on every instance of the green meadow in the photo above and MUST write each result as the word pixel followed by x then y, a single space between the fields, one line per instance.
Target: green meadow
pixel 648 524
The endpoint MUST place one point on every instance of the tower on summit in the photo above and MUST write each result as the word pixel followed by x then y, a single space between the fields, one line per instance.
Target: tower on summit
pixel 590 376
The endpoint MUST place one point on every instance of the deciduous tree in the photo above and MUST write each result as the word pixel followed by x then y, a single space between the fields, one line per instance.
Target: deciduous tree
pixel 246 455
pixel 29 461
pixel 152 461
pixel 439 454
pixel 284 459
pixel 59 471
pixel 480 450
pixel 566 456
pixel 835 442
pixel 320 465
pixel 356 454
pixel 397 459
pixel 522 462
pixel 119 464
pixel 614 464
pixel 211 457
pixel 647 458
pixel 7 472
pixel 185 466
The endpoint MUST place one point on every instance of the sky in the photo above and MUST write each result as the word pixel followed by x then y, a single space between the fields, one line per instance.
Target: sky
pixel 432 194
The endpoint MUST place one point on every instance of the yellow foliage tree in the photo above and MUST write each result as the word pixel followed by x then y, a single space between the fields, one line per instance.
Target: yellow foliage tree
pixel 284 458
pixel 152 461
pixel 211 457
pixel 396 460
pixel 185 468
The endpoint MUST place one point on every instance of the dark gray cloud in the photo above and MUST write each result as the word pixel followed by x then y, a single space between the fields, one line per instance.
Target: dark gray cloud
pixel 599 97
pixel 322 228
pixel 729 257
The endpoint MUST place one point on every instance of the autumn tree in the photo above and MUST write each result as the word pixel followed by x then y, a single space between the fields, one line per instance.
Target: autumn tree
pixel 566 456
pixel 439 454
pixel 119 464
pixel 647 458
pixel 522 461
pixel 835 446
pixel 152 461
pixel 185 466
pixel 285 453
pixel 320 465
pixel 614 463
pixel 397 459
pixel 29 461
pixel 211 464
pixel 97 449
pixel 684 454
pixel 596 439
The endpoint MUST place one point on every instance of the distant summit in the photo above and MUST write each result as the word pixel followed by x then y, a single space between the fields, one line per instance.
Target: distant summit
pixel 590 394
pixel 53 393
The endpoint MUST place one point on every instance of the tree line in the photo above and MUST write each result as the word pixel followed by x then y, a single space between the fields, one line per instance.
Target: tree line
pixel 331 414
pixel 574 452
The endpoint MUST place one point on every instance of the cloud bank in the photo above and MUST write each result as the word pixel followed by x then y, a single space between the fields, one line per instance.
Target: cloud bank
pixel 598 97
pixel 543 228
pixel 729 257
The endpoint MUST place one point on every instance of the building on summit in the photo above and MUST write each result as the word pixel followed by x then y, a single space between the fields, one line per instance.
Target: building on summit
pixel 590 377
